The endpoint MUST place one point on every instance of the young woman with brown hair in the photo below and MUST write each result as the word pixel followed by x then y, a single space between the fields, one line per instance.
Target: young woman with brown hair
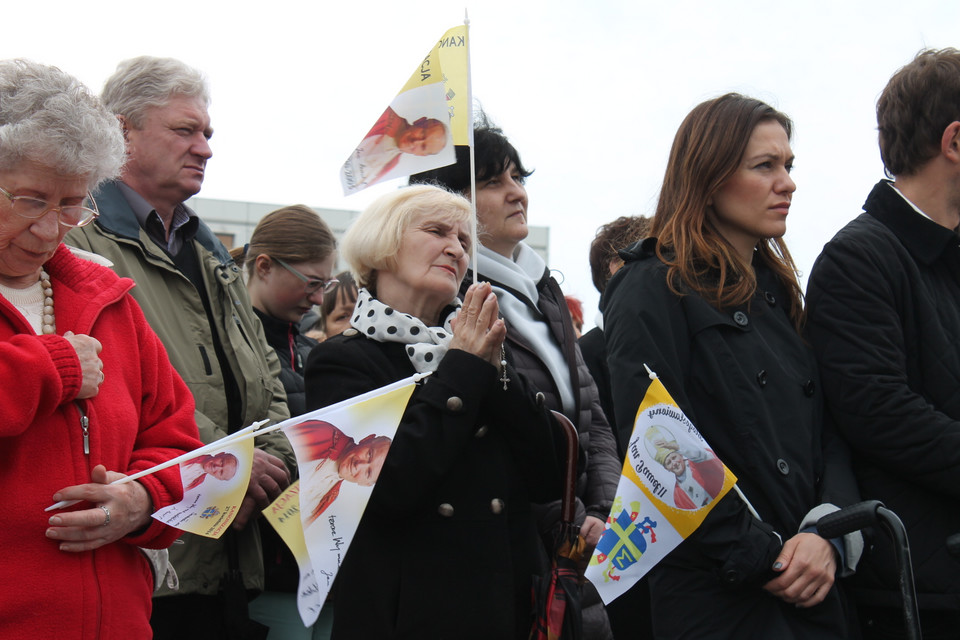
pixel 711 303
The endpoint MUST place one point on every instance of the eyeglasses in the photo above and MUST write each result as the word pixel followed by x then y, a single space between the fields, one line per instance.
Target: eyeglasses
pixel 312 284
pixel 73 215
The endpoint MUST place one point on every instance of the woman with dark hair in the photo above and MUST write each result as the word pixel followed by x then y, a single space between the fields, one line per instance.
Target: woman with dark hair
pixel 711 303
pixel 541 339
pixel 337 308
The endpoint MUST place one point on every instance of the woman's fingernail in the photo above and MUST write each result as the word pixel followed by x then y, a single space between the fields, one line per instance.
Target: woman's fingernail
pixel 777 566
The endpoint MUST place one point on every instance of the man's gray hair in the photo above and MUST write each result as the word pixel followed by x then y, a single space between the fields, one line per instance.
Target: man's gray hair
pixel 50 118
pixel 144 82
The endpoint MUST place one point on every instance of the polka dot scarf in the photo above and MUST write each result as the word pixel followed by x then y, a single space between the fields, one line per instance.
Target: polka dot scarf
pixel 426 346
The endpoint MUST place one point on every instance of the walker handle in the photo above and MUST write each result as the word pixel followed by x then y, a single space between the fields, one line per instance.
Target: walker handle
pixel 849 519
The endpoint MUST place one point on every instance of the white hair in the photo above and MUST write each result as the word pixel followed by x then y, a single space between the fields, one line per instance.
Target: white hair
pixel 144 82
pixel 50 118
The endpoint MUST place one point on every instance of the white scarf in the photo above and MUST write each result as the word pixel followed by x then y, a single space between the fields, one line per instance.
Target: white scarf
pixel 522 275
pixel 426 346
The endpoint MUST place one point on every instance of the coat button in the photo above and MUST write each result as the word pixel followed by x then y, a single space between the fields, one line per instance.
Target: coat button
pixel 770 298
pixel 446 510
pixel 783 467
pixel 541 399
pixel 741 318
pixel 496 506
pixel 808 388
pixel 350 332
pixel 454 403
pixel 482 431
pixel 762 377
pixel 730 576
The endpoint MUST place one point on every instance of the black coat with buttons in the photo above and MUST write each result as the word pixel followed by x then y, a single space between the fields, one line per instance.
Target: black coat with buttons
pixel 749 383
pixel 600 472
pixel 447 545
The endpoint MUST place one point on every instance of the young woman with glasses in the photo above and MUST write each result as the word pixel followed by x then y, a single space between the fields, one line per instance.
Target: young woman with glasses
pixel 289 262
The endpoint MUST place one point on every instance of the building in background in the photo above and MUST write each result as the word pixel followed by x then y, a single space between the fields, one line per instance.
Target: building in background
pixel 233 222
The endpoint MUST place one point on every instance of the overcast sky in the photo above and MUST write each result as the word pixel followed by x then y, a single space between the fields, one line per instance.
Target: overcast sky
pixel 591 95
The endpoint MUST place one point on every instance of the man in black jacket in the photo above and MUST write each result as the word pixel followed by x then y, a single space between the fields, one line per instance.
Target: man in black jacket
pixel 884 319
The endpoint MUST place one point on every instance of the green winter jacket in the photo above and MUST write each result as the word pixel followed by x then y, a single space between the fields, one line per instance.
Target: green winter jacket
pixel 175 311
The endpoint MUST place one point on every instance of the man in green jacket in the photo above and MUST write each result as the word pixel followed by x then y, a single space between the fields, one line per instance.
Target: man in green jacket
pixel 195 299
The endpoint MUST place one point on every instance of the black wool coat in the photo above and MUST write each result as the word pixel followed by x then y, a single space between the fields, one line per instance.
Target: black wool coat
pixel 884 320
pixel 447 545
pixel 749 383
pixel 599 472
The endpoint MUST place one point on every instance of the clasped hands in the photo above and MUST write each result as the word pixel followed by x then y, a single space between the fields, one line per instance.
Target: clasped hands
pixel 478 329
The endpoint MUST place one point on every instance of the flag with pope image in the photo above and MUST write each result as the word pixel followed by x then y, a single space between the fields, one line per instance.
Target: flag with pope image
pixel 419 128
pixel 214 485
pixel 340 451
pixel 671 479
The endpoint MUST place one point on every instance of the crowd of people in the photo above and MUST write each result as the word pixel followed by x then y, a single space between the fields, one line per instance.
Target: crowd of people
pixel 161 340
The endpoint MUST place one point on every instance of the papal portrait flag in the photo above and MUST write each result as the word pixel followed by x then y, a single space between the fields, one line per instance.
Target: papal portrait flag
pixel 455 66
pixel 214 485
pixel 671 479
pixel 418 130
pixel 340 450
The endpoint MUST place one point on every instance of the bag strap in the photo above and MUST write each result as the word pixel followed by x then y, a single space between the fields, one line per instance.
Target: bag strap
pixel 568 505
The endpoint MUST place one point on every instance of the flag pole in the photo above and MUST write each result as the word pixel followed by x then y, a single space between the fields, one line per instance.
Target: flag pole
pixel 473 163
pixel 393 386
pixel 213 446
pixel 254 431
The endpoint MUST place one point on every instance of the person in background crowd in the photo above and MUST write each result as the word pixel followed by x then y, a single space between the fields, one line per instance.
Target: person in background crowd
pixel 884 305
pixel 540 334
pixel 604 262
pixel 289 260
pixel 575 307
pixel 333 316
pixel 474 446
pixel 630 613
pixel 338 307
pixel 194 297
pixel 76 410
pixel 710 301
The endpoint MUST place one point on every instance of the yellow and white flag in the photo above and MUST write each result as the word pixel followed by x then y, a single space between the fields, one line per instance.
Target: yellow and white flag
pixel 671 479
pixel 455 66
pixel 214 485
pixel 419 129
pixel 340 452
pixel 284 516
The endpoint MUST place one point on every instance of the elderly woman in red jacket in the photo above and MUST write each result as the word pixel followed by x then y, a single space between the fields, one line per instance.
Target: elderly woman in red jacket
pixel 88 394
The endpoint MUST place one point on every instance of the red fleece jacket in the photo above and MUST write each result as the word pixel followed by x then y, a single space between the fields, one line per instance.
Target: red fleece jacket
pixel 142 415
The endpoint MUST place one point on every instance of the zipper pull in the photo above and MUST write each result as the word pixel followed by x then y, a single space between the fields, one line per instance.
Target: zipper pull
pixel 85 427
